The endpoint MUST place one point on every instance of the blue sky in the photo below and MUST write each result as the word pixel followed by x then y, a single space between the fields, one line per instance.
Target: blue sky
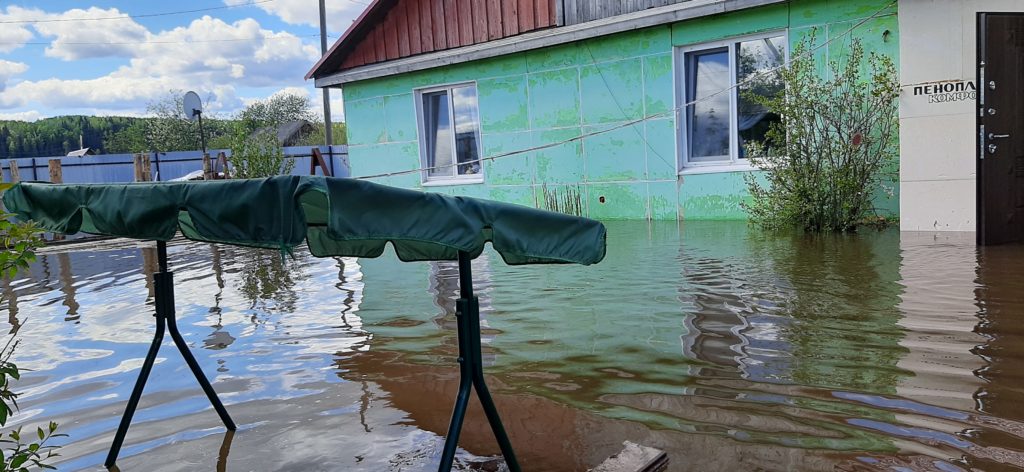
pixel 54 61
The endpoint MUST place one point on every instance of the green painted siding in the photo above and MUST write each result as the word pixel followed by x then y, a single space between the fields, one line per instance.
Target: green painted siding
pixel 596 89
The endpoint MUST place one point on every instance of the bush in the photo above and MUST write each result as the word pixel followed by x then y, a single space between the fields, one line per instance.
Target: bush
pixel 255 150
pixel 258 155
pixel 835 141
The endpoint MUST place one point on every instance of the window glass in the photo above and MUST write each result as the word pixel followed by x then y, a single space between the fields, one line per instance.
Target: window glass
pixel 466 129
pixel 437 134
pixel 708 119
pixel 721 118
pixel 753 59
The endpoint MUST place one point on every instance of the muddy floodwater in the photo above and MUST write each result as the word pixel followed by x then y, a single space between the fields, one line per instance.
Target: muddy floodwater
pixel 728 348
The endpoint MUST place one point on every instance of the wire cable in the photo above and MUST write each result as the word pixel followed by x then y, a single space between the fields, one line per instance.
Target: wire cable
pixel 143 15
pixel 114 43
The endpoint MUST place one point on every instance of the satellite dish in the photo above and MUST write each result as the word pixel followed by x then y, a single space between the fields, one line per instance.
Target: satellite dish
pixel 193 106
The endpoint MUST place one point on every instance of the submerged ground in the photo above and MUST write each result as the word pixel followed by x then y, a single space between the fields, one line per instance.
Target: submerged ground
pixel 728 348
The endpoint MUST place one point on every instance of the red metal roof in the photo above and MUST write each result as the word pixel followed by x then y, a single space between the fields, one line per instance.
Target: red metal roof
pixel 393 29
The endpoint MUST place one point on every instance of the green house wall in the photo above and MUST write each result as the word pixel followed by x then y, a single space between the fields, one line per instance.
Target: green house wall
pixel 549 95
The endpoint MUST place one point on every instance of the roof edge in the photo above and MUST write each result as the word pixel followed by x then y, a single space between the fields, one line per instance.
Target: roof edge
pixel 543 38
pixel 357 25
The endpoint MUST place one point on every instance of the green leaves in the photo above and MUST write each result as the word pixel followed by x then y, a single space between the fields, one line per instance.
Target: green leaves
pixel 19 456
pixel 835 143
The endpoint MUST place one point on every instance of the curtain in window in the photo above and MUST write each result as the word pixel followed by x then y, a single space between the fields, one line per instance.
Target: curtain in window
pixel 708 119
pixel 437 134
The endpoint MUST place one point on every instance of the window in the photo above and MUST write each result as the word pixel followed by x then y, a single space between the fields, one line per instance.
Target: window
pixel 450 134
pixel 716 126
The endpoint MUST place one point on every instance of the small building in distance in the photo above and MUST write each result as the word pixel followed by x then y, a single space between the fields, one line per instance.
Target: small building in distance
pixel 82 152
pixel 290 133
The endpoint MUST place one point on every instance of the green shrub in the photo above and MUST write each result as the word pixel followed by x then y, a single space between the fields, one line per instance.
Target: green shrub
pixel 834 144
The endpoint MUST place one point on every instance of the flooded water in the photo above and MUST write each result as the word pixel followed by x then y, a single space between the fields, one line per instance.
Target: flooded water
pixel 727 348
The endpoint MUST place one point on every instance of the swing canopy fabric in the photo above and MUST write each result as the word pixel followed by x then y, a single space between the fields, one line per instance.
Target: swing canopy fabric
pixel 334 216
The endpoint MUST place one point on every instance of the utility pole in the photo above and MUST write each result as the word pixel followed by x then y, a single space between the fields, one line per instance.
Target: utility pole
pixel 328 132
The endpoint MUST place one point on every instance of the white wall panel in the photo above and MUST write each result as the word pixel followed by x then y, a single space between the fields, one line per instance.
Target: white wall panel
pixel 937 156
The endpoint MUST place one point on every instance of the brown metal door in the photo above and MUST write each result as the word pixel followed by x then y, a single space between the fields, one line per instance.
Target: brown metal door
pixel 1000 128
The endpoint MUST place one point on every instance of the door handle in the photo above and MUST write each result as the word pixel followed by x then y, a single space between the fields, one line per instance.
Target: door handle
pixel 998 136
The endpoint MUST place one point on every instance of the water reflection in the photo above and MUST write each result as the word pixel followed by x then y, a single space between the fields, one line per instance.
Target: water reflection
pixel 726 347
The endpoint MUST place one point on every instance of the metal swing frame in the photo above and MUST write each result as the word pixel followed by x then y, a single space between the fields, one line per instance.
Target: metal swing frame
pixel 470 365
pixel 163 297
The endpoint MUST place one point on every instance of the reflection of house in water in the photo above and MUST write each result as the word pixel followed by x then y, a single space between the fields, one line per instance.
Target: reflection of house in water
pixel 786 308
pixel 549 434
pixel 1000 301
pixel 444 286
pixel 730 317
pixel 939 313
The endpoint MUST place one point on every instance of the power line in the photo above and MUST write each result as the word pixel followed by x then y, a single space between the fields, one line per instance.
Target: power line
pixel 663 114
pixel 79 43
pixel 144 15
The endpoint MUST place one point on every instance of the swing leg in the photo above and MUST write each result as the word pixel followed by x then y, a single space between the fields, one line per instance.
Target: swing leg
pixel 172 327
pixel 163 283
pixel 133 400
pixel 472 374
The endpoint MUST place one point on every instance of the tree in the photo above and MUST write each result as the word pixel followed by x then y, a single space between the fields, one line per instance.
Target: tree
pixel 169 130
pixel 275 110
pixel 835 140
pixel 255 150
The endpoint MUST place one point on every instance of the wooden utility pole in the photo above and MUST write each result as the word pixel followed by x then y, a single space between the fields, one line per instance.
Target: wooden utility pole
pixel 15 177
pixel 328 130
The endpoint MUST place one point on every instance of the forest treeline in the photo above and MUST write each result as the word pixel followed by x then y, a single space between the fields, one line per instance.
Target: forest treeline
pixel 118 134
pixel 59 135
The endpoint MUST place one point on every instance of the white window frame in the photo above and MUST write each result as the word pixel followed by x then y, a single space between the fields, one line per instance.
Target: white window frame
pixel 735 163
pixel 455 179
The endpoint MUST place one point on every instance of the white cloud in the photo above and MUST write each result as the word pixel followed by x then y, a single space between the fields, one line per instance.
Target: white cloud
pixel 166 60
pixel 13 35
pixel 30 115
pixel 10 69
pixel 278 58
pixel 119 36
pixel 340 13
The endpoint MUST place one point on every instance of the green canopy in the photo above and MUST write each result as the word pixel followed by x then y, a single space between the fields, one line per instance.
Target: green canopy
pixel 335 217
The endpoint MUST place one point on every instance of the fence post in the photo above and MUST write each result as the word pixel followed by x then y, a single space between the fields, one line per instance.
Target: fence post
pixel 57 177
pixel 207 167
pixel 222 160
pixel 147 169
pixel 56 173
pixel 15 177
pixel 137 167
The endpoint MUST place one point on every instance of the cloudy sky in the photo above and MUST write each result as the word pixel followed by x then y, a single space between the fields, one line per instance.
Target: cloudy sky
pixel 112 57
